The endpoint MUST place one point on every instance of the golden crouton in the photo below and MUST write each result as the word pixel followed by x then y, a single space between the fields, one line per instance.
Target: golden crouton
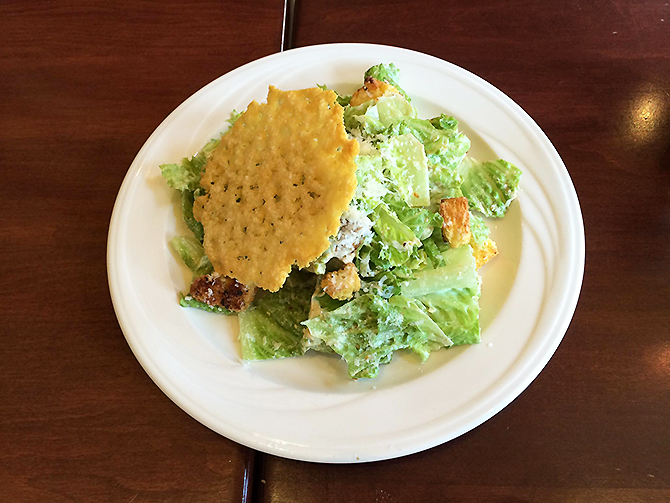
pixel 342 284
pixel 373 89
pixel 456 226
pixel 484 252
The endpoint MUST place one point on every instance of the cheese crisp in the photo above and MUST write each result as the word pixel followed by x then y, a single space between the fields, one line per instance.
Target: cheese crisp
pixel 276 187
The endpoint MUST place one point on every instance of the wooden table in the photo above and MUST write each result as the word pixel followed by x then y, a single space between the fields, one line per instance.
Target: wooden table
pixel 84 83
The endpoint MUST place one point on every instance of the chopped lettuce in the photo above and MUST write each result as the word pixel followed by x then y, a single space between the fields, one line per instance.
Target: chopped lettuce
pixel 341 100
pixel 271 326
pixel 423 334
pixel 407 167
pixel 480 232
pixel 187 174
pixel 445 148
pixel 373 119
pixel 421 221
pixel 187 200
pixel 188 301
pixel 450 295
pixel 394 239
pixel 387 73
pixel 489 186
pixel 457 271
pixel 192 254
pixel 456 312
pixel 365 332
pixel 372 185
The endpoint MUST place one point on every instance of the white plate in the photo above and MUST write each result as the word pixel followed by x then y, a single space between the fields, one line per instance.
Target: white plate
pixel 306 408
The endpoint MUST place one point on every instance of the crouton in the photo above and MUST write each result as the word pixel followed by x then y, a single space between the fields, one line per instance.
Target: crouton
pixel 456 226
pixel 484 252
pixel 373 89
pixel 342 284
pixel 222 291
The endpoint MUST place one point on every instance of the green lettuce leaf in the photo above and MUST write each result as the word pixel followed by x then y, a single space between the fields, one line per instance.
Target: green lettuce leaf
pixel 445 122
pixel 271 326
pixel 365 332
pixel 480 232
pixel 387 73
pixel 423 334
pixel 320 303
pixel 421 221
pixel 192 253
pixel 459 271
pixel 449 295
pixel 188 301
pixel 406 164
pixel 456 312
pixel 394 240
pixel 187 200
pixel 342 100
pixel 445 148
pixel 186 176
pixel 372 185
pixel 372 118
pixel 489 186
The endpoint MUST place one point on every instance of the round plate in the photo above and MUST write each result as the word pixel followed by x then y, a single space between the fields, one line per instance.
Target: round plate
pixel 306 408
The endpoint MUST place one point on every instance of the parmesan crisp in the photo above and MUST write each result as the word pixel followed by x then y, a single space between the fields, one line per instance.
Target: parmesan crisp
pixel 276 187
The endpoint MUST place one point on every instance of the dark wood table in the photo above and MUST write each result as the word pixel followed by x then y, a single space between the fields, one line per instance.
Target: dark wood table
pixel 82 86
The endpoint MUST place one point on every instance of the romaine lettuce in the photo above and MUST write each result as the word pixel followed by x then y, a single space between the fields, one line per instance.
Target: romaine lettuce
pixel 396 241
pixel 365 332
pixel 372 185
pixel 456 312
pixel 187 200
pixel 489 186
pixel 480 232
pixel 373 119
pixel 186 176
pixel 406 163
pixel 458 271
pixel 423 334
pixel 188 301
pixel 387 73
pixel 271 326
pixel 192 254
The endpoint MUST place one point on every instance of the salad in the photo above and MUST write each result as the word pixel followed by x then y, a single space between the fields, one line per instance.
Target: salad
pixel 401 272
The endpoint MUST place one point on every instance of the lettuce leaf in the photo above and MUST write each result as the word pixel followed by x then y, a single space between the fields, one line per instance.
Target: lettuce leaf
pixel 187 174
pixel 271 327
pixel 423 334
pixel 458 271
pixel 188 301
pixel 421 221
pixel 456 312
pixel 406 164
pixel 187 200
pixel 372 118
pixel 480 232
pixel 365 332
pixel 394 239
pixel 387 73
pixel 449 295
pixel 192 253
pixel 489 186
pixel 445 148
pixel 372 185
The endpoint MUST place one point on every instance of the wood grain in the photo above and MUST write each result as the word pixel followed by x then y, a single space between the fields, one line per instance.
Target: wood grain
pixel 593 427
pixel 83 84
